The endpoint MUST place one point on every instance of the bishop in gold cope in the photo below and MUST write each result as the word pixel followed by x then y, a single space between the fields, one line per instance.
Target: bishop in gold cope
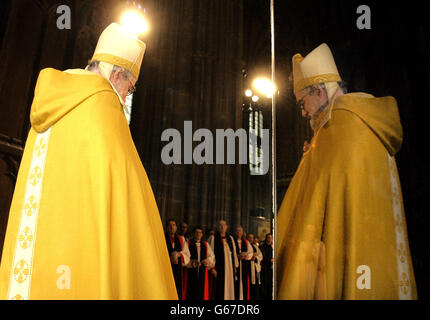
pixel 84 223
pixel 341 226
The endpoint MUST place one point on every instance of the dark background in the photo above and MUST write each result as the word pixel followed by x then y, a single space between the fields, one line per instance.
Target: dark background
pixel 201 55
pixel 389 59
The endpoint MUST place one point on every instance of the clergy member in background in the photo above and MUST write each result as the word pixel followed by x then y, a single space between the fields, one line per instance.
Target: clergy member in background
pixel 256 241
pixel 244 254
pixel 211 232
pixel 83 208
pixel 341 226
pixel 267 267
pixel 183 230
pixel 179 255
pixel 202 260
pixel 255 268
pixel 226 262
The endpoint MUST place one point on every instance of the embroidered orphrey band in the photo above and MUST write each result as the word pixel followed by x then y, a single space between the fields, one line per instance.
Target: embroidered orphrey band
pixel 404 280
pixel 22 265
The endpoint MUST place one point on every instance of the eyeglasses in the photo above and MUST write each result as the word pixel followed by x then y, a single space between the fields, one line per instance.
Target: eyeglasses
pixel 301 103
pixel 310 92
pixel 132 89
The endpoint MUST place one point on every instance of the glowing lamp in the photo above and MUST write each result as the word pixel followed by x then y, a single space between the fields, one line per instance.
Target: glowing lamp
pixel 264 86
pixel 134 23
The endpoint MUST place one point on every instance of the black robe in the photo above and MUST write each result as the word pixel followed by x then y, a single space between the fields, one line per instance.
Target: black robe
pixel 198 282
pixel 255 288
pixel 219 264
pixel 246 276
pixel 267 271
pixel 177 268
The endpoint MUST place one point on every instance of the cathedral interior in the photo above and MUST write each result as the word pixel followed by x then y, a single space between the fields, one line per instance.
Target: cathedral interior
pixel 201 56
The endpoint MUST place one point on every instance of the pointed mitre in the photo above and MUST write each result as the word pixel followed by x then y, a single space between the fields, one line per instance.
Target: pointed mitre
pixel 118 47
pixel 317 67
pixel 297 73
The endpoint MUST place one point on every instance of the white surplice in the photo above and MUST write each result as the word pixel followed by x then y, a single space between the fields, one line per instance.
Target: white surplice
pixel 185 252
pixel 256 266
pixel 210 256
pixel 229 274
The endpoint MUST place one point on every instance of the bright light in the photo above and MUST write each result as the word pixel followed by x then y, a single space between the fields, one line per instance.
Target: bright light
pixel 255 98
pixel 134 23
pixel 248 93
pixel 265 86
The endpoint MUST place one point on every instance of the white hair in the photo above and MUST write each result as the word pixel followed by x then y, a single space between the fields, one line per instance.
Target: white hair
pixel 95 66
